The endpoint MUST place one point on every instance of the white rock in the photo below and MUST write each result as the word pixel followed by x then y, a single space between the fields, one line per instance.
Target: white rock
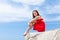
pixel 48 35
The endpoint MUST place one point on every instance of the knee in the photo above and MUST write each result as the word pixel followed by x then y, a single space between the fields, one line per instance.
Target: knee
pixel 30 24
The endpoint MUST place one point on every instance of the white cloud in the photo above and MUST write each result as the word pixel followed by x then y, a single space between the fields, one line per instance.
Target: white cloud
pixel 53 9
pixel 30 2
pixel 9 13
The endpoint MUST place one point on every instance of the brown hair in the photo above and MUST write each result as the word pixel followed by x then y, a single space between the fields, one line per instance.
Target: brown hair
pixel 37 13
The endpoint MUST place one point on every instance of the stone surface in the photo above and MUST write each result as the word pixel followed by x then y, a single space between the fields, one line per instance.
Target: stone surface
pixel 47 35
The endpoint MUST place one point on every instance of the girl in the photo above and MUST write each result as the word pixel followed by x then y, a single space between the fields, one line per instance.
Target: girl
pixel 37 23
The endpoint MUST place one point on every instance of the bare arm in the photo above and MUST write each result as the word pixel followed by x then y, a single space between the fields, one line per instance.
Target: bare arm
pixel 34 19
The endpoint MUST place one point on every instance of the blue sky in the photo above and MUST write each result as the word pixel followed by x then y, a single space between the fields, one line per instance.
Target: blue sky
pixel 15 15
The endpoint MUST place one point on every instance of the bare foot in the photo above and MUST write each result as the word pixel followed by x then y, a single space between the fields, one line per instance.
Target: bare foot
pixel 25 34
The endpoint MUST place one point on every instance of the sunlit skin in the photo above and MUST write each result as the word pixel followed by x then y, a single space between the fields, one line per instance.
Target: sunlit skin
pixel 31 23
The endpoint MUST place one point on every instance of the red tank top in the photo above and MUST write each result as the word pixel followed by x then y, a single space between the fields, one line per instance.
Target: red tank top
pixel 39 25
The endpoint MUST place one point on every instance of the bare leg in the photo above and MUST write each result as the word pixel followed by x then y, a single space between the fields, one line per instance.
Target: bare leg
pixel 28 29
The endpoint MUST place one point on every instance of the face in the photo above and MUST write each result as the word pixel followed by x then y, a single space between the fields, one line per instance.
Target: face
pixel 34 13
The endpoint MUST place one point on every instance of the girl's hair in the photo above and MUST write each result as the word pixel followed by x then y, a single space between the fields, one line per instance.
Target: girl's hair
pixel 36 12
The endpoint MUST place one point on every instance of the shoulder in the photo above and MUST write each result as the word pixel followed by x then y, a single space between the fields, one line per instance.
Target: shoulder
pixel 38 17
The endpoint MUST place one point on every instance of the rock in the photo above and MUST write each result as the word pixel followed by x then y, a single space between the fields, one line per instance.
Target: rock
pixel 47 35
